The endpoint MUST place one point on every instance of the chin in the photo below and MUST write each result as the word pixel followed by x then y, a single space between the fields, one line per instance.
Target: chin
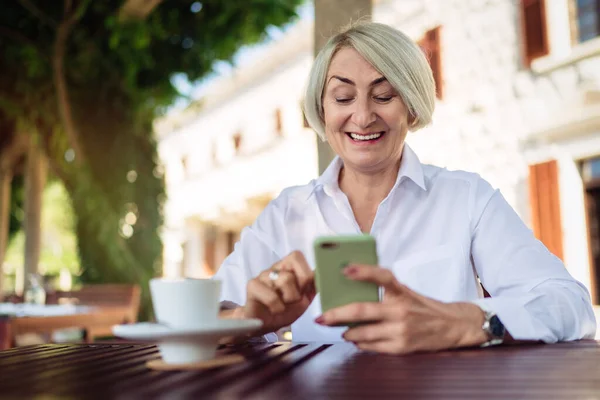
pixel 365 163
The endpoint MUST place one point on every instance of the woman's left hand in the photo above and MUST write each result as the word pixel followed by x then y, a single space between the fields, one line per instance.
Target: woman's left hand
pixel 405 322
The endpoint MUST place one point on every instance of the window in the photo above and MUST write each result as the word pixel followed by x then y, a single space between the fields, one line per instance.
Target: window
pixel 535 37
pixel 237 142
pixel 278 123
pixel 591 179
pixel 588 19
pixel 591 170
pixel 431 45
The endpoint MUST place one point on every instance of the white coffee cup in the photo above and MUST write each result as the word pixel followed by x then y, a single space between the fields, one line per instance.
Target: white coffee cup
pixel 186 305
pixel 185 302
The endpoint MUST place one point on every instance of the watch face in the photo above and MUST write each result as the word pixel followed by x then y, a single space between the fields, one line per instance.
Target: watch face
pixel 497 328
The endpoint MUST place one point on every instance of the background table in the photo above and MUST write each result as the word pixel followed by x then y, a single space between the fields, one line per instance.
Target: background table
pixel 306 371
pixel 17 319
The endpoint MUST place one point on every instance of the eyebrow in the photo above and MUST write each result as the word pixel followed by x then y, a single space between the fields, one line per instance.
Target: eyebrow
pixel 350 82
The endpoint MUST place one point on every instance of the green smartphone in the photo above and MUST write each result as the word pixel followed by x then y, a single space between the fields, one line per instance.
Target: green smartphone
pixel 332 255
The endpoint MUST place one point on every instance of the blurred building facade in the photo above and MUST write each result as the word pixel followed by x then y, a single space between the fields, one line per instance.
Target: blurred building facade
pixel 518 102
pixel 228 155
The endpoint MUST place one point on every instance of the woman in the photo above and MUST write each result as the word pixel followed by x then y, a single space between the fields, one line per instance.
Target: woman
pixel 437 231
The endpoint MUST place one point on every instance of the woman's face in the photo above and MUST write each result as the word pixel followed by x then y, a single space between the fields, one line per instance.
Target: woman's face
pixel 366 121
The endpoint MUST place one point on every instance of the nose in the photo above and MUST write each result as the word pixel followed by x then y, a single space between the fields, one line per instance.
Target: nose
pixel 363 115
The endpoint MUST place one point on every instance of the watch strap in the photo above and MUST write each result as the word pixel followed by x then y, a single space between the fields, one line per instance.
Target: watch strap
pixel 494 333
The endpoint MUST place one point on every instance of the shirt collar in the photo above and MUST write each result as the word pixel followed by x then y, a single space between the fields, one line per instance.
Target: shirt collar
pixel 410 167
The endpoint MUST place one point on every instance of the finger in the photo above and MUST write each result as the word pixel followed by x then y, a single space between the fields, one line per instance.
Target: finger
pixel 286 284
pixel 381 276
pixel 355 312
pixel 311 291
pixel 265 295
pixel 296 262
pixel 371 333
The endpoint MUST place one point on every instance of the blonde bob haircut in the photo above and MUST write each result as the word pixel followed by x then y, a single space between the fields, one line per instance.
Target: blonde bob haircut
pixel 390 52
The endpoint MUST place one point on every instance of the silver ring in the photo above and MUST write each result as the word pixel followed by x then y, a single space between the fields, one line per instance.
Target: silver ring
pixel 273 275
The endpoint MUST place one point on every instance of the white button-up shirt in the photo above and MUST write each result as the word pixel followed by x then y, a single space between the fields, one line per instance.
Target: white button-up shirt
pixel 438 231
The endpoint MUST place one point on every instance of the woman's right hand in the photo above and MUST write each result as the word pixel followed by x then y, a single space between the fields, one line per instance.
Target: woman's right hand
pixel 281 301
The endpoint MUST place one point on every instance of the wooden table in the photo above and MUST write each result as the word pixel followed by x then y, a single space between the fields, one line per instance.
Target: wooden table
pixel 86 318
pixel 306 371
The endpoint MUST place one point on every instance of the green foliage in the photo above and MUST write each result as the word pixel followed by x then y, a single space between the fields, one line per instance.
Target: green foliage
pixel 119 79
pixel 59 244
pixel 16 207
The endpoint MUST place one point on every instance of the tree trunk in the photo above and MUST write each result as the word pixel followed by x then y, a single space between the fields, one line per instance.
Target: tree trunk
pixel 12 150
pixel 5 181
pixel 60 80
pixel 35 180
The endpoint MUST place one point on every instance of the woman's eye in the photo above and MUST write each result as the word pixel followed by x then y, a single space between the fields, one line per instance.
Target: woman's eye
pixel 384 99
pixel 343 100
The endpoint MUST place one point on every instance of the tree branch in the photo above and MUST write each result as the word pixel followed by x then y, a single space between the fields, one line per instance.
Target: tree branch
pixel 52 156
pixel 33 9
pixel 137 9
pixel 60 81
pixel 13 152
pixel 6 178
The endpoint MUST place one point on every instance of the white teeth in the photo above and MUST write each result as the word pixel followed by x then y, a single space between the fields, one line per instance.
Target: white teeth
pixel 364 137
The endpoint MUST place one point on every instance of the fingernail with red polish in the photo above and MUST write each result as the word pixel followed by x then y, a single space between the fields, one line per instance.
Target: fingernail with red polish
pixel 320 320
pixel 350 270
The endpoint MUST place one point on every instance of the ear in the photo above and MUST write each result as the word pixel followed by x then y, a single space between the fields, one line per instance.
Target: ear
pixel 412 119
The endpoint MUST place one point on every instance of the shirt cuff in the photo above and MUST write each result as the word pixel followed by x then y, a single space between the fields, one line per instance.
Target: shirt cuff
pixel 512 313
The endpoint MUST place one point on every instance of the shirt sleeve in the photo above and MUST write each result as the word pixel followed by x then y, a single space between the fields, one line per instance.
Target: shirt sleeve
pixel 257 250
pixel 532 292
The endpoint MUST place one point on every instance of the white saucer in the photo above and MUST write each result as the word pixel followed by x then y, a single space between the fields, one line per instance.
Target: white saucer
pixel 187 345
pixel 158 332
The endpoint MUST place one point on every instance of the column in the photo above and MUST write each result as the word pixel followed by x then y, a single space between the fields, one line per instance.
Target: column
pixel 330 17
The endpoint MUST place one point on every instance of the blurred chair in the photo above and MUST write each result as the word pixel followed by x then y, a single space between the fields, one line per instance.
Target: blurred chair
pixel 121 297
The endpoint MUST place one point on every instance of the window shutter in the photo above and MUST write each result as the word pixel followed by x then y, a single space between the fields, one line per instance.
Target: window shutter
pixel 431 45
pixel 535 38
pixel 545 205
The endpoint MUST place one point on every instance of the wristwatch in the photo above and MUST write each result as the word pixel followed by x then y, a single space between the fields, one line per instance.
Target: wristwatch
pixel 494 329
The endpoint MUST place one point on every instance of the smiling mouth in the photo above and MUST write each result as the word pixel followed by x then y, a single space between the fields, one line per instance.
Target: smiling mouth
pixel 365 138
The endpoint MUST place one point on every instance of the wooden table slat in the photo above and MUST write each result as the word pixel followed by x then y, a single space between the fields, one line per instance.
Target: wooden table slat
pixel 244 377
pixel 156 382
pixel 99 375
pixel 306 371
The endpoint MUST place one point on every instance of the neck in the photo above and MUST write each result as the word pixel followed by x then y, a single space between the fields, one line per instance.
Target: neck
pixel 368 187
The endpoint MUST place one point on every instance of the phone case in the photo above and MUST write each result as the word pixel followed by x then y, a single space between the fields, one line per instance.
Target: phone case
pixel 332 254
